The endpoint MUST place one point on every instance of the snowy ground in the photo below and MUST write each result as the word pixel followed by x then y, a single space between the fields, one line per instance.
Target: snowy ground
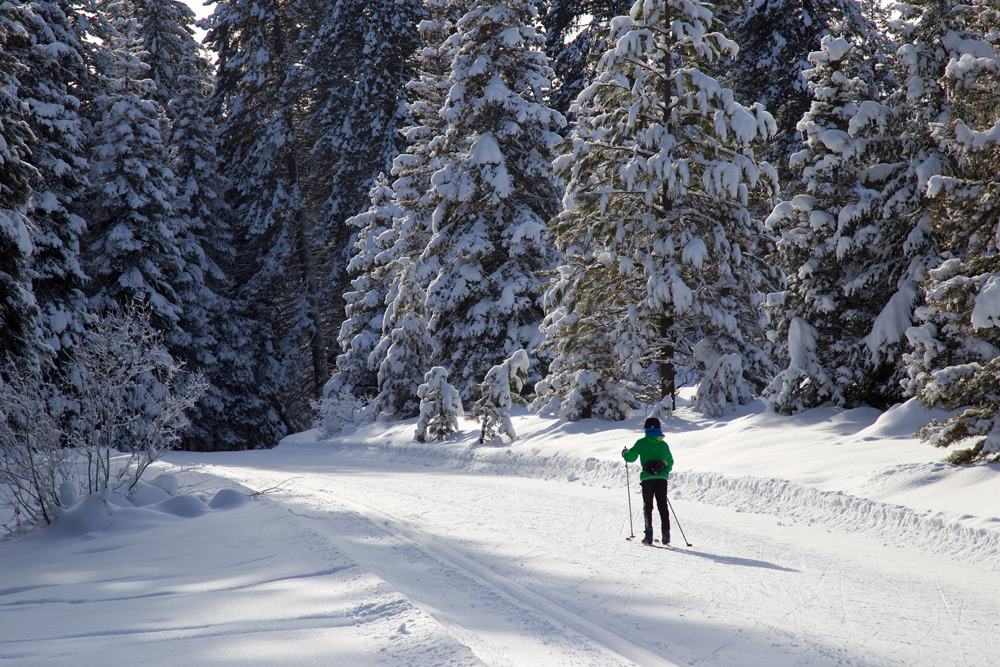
pixel 827 538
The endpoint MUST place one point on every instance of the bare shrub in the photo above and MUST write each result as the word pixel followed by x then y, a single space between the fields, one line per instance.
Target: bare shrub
pixel 128 400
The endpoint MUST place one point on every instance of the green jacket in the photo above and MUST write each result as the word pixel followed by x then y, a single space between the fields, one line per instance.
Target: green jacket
pixel 648 449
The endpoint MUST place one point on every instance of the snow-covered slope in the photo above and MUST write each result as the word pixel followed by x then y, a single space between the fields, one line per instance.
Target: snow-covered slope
pixel 831 537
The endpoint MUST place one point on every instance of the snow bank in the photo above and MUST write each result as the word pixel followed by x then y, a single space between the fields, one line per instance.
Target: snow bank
pixel 146 505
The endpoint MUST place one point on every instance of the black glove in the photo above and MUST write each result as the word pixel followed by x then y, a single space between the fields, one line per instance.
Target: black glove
pixel 624 451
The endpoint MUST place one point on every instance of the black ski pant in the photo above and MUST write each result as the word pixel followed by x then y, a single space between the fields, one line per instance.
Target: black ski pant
pixel 655 489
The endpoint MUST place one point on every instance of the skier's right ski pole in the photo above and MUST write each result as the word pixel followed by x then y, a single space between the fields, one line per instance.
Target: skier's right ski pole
pixel 678 522
pixel 628 490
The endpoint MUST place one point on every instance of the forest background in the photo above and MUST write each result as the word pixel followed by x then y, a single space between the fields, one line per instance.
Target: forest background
pixel 343 211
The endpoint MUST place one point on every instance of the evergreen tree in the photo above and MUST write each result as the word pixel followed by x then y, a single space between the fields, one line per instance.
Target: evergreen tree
pixel 406 348
pixel 903 248
pixel 357 68
pixel 167 43
pixel 403 352
pixel 132 254
pixel 662 252
pixel 955 363
pixel 776 38
pixel 132 248
pixel 54 59
pixel 240 408
pixel 366 302
pixel 501 389
pixel 584 376
pixel 823 315
pixel 260 148
pixel 493 193
pixel 396 230
pixel 17 303
pixel 573 37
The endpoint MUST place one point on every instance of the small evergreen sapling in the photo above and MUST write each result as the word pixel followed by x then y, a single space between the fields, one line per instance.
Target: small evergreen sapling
pixel 440 407
pixel 501 389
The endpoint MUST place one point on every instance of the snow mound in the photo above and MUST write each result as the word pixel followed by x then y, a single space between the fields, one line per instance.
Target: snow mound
pixel 146 506
pixel 148 494
pixel 167 482
pixel 228 499
pixel 92 514
pixel 901 421
pixel 185 506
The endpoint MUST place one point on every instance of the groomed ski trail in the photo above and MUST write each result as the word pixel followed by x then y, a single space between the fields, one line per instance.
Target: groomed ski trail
pixel 387 546
pixel 465 542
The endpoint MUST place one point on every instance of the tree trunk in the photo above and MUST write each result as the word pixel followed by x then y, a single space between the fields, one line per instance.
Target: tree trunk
pixel 317 341
pixel 667 370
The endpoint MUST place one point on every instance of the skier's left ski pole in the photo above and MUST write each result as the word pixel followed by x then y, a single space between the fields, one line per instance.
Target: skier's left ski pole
pixel 628 491
pixel 678 522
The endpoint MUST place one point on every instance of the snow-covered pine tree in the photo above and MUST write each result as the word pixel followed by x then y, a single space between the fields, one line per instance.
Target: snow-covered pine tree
pixel 18 312
pixel 573 30
pixel 261 151
pixel 405 348
pixel 166 36
pixel 426 94
pixel 440 407
pixel 132 253
pixel 821 318
pixel 204 237
pixel 776 38
pixel 585 376
pixel 240 408
pixel 54 59
pixel 501 389
pixel 403 352
pixel 362 330
pixel 493 192
pixel 902 248
pixel 355 70
pixel 955 364
pixel 662 252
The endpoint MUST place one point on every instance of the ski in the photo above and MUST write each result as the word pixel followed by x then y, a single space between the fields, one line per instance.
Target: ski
pixel 656 543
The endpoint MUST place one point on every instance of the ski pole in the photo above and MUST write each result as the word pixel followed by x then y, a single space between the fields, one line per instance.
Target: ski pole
pixel 628 491
pixel 678 522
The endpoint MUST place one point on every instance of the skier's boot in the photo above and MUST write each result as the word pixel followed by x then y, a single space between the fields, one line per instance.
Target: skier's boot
pixel 666 537
pixel 648 537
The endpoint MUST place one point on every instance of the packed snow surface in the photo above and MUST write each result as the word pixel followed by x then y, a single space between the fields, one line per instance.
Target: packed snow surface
pixel 831 537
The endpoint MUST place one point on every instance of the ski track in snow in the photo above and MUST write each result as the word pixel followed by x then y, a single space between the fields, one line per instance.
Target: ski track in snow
pixel 504 622
pixel 111 599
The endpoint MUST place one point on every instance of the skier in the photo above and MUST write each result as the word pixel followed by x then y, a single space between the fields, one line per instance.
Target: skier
pixel 654 455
